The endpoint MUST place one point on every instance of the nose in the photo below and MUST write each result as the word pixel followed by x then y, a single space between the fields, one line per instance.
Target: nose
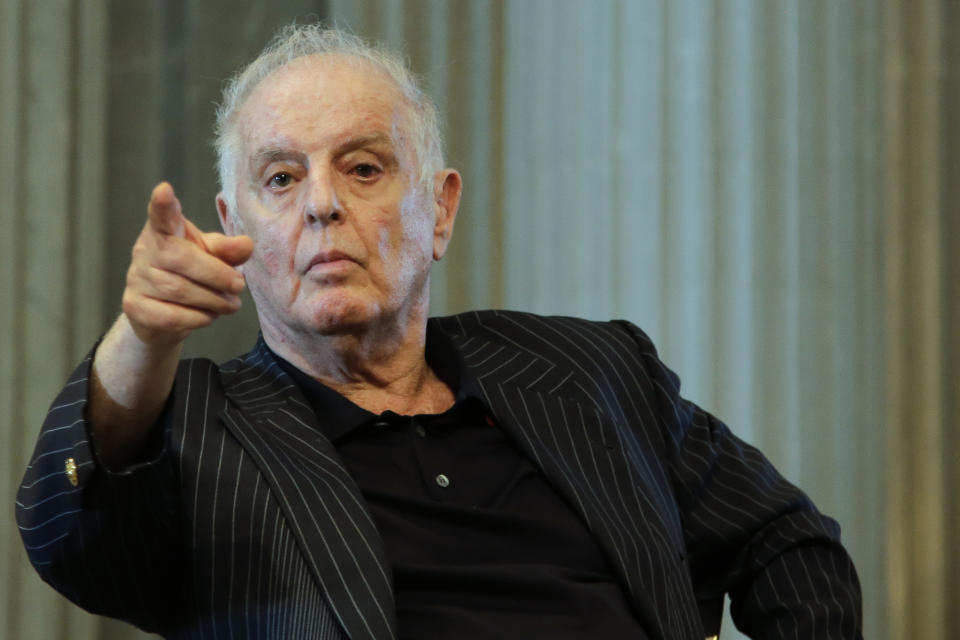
pixel 323 204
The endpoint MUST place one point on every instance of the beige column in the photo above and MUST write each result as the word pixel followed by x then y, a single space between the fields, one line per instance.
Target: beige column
pixel 950 298
pixel 918 496
pixel 52 83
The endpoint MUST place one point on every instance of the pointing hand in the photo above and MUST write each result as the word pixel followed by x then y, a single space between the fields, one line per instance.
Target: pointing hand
pixel 180 278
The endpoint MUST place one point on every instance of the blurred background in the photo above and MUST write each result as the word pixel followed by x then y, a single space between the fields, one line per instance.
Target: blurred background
pixel 768 187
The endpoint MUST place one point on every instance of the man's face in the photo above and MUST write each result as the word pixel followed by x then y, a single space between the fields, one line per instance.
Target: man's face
pixel 326 185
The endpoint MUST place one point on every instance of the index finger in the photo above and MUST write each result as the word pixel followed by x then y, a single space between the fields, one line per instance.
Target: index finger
pixel 164 213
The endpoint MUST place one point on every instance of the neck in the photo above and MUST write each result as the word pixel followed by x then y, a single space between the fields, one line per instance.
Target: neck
pixel 378 368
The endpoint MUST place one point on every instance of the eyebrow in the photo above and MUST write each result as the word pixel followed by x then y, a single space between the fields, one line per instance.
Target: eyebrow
pixel 362 141
pixel 268 155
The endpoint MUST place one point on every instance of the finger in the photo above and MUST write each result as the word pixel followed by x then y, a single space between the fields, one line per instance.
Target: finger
pixel 160 317
pixel 164 213
pixel 173 288
pixel 234 250
pixel 184 258
pixel 167 286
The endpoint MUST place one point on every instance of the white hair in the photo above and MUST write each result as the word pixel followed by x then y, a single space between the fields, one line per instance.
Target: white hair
pixel 296 41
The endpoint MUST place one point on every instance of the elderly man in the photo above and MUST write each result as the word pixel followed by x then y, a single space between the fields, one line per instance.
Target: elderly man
pixel 367 472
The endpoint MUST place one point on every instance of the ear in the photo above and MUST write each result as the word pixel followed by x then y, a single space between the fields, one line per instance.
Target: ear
pixel 226 220
pixel 447 186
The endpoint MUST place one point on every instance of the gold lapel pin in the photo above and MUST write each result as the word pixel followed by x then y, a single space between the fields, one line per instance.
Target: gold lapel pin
pixel 71 469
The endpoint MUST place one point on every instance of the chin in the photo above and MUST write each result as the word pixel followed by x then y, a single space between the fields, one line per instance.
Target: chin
pixel 339 317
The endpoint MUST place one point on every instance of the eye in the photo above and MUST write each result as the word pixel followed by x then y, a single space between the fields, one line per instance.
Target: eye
pixel 280 180
pixel 365 171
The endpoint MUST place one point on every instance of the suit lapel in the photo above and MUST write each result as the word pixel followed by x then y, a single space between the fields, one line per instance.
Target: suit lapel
pixel 577 447
pixel 323 506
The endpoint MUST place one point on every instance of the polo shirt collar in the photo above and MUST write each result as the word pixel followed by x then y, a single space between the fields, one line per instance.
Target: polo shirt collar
pixel 341 416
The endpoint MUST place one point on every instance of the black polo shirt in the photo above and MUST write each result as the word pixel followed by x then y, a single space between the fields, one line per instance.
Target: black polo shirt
pixel 481 545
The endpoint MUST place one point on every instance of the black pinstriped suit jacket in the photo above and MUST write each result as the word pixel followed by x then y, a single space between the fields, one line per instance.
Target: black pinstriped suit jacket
pixel 247 524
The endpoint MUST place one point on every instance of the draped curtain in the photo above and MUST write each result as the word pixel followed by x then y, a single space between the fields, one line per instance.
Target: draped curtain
pixel 52 144
pixel 766 187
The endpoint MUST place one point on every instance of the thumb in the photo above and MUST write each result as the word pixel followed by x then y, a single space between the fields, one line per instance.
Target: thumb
pixel 164 213
pixel 234 250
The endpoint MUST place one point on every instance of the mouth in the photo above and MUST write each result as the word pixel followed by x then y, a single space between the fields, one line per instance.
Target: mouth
pixel 330 259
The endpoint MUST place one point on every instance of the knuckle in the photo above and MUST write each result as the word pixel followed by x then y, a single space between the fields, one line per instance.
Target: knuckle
pixel 170 288
pixel 140 253
pixel 176 260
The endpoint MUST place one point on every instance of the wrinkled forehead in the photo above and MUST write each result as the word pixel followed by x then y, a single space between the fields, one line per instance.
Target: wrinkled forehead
pixel 320 100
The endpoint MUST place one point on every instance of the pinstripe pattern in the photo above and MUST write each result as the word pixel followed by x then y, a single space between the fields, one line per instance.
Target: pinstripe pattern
pixel 251 519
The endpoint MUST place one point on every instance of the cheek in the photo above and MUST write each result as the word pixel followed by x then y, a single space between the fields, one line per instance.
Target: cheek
pixel 273 253
pixel 272 273
pixel 402 246
pixel 400 237
pixel 416 222
pixel 267 263
pixel 268 257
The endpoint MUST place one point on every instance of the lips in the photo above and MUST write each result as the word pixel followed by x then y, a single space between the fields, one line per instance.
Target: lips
pixel 328 257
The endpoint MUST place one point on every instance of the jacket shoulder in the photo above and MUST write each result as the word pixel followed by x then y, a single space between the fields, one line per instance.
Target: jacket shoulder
pixel 559 339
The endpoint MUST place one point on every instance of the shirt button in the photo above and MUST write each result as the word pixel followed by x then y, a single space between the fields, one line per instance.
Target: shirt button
pixel 381 424
pixel 421 431
pixel 443 481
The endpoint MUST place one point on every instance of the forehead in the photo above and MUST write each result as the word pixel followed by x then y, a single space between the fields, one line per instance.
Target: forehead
pixel 320 100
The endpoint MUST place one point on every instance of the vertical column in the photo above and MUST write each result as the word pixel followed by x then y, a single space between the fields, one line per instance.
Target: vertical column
pixel 12 557
pixel 774 276
pixel 950 297
pixel 916 502
pixel 688 214
pixel 860 453
pixel 639 120
pixel 52 82
pixel 474 125
pixel 731 331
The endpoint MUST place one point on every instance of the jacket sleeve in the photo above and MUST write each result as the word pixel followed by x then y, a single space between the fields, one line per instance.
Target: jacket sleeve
pixel 107 541
pixel 749 532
